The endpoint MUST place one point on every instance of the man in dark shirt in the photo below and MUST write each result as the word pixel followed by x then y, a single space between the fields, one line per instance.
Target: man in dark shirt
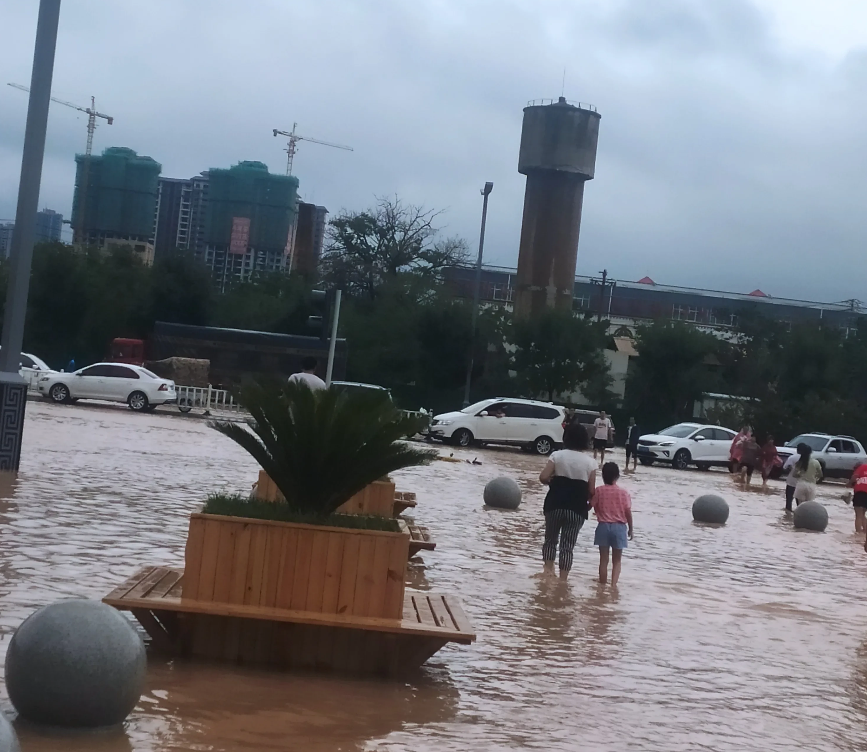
pixel 632 434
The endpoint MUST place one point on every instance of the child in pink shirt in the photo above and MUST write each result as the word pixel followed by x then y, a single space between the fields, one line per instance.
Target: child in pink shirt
pixel 613 509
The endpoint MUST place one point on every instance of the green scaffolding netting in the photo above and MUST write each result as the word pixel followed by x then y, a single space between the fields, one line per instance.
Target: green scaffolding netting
pixel 249 190
pixel 121 192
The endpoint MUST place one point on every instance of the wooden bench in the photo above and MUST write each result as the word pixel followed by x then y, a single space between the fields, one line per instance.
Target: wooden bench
pixel 283 638
pixel 403 500
pixel 419 538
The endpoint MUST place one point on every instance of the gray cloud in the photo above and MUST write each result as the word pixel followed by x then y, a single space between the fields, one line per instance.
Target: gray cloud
pixel 726 159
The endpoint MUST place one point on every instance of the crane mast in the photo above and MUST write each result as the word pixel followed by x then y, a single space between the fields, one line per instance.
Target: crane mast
pixel 292 145
pixel 92 115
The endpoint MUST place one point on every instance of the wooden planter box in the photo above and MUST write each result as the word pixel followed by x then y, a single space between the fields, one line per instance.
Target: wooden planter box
pixel 297 567
pixel 377 498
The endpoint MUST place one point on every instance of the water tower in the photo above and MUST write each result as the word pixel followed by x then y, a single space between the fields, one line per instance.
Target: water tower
pixel 558 155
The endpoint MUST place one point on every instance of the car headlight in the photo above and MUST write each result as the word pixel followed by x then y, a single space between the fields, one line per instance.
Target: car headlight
pixel 666 443
pixel 45 378
pixel 444 422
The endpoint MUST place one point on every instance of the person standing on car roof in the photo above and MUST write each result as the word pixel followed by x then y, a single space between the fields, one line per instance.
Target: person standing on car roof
pixel 603 427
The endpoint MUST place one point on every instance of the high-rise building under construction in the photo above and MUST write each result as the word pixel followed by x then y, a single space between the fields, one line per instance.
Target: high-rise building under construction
pixel 120 200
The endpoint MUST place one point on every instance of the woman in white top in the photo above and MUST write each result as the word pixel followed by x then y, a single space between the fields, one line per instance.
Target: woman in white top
pixel 808 472
pixel 570 475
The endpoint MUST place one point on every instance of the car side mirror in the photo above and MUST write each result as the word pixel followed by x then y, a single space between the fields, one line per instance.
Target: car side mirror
pixel 698 438
pixel 484 414
pixel 832 449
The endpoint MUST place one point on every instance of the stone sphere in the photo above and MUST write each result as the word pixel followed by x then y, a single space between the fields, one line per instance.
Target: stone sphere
pixel 8 739
pixel 811 515
pixel 710 508
pixel 502 493
pixel 75 663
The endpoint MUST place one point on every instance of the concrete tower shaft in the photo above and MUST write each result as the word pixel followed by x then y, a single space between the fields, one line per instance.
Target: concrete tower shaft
pixel 558 155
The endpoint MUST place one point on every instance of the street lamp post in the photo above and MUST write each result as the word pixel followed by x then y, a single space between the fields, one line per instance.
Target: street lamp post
pixel 13 389
pixel 486 191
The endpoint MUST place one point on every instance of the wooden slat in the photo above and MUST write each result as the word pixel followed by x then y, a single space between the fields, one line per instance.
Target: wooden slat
pixel 129 583
pixel 379 586
pixel 409 612
pixel 348 574
pixel 177 590
pixel 318 564
pixel 333 569
pixel 193 556
pixel 303 551
pixel 425 615
pixel 286 580
pixel 364 577
pixel 441 613
pixel 147 583
pixel 256 565
pixel 394 588
pixel 225 560
pixel 240 560
pixel 210 550
pixel 166 583
pixel 273 559
pixel 458 616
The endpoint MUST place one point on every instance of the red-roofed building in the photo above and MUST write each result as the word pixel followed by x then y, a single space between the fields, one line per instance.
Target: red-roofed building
pixel 759 294
pixel 646 281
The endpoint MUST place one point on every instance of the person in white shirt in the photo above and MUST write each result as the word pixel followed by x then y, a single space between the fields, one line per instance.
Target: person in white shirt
pixel 603 426
pixel 308 375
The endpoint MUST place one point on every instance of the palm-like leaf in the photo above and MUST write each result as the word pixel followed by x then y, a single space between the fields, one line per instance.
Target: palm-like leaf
pixel 322 447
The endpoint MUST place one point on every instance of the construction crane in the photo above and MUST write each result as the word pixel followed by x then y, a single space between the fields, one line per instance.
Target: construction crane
pixel 292 146
pixel 92 115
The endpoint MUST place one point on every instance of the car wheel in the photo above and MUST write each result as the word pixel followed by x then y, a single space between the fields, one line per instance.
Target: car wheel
pixel 824 473
pixel 646 461
pixel 138 401
pixel 703 466
pixel 59 393
pixel 543 445
pixel 462 437
pixel 681 459
pixel 185 406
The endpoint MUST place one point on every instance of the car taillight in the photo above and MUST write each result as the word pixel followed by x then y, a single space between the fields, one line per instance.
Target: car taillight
pixel 164 387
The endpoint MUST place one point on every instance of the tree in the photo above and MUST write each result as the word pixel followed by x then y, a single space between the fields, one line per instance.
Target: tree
pixel 674 366
pixel 365 249
pixel 557 353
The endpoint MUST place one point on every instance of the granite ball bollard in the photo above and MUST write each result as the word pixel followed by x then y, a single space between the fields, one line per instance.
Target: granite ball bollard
pixel 502 493
pixel 811 515
pixel 75 663
pixel 710 508
pixel 8 739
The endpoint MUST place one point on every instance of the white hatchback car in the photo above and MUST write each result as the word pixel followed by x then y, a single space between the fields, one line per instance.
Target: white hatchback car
pixel 687 444
pixel 838 455
pixel 114 382
pixel 532 425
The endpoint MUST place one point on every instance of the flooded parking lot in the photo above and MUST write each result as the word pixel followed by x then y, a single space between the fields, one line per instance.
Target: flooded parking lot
pixel 747 637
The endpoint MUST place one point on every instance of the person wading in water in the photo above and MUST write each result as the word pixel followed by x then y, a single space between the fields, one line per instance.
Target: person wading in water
pixel 570 475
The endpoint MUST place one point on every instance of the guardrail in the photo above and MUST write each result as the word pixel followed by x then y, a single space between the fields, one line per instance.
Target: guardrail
pixel 544 102
pixel 206 398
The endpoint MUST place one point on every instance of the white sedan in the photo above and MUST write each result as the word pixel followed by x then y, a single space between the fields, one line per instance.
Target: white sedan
pixel 687 444
pixel 114 382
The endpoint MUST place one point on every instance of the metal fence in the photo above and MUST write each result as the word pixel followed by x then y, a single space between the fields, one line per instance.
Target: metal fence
pixel 206 398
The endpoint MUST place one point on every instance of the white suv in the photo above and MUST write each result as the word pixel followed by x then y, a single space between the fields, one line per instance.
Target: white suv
pixel 532 425
pixel 838 455
pixel 687 444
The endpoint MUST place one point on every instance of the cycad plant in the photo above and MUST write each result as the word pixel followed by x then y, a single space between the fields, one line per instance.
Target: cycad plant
pixel 322 447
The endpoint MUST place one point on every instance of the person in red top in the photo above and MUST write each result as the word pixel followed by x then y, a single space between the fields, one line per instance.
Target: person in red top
pixel 613 509
pixel 858 481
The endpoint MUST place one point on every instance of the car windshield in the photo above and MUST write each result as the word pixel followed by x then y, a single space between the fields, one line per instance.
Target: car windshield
pixel 680 431
pixel 472 409
pixel 816 443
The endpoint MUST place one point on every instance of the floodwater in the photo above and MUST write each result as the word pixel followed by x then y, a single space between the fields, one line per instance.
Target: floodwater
pixel 747 637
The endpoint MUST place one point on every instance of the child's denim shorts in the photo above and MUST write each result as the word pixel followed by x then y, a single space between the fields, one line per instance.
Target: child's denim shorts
pixel 611 535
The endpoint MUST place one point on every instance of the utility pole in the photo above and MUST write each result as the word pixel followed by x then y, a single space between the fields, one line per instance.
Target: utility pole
pixel 486 191
pixel 13 389
pixel 602 295
pixel 335 317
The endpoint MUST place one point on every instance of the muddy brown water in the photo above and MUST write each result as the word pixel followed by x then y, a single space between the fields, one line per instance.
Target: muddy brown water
pixel 747 637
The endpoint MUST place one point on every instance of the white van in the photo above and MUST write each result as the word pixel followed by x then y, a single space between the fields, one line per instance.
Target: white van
pixel 530 424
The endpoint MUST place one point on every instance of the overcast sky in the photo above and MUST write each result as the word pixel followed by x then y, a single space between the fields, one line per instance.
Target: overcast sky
pixel 731 148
